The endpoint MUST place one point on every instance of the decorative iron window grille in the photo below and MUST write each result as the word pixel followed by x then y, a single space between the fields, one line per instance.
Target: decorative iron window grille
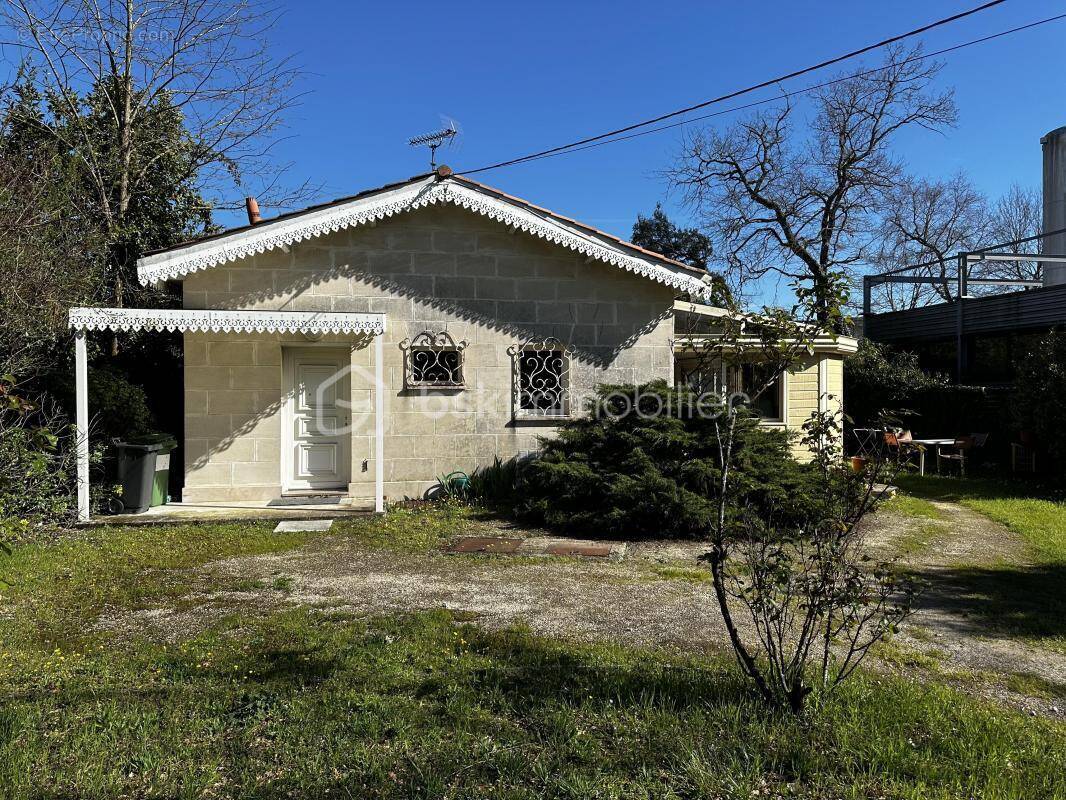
pixel 433 360
pixel 541 386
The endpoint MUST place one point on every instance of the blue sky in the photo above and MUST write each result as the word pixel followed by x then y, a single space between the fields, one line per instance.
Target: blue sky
pixel 519 77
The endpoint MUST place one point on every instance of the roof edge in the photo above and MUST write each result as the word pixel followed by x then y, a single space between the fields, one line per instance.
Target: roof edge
pixel 419 192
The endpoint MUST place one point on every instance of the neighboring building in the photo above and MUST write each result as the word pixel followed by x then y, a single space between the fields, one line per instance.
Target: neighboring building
pixel 486 319
pixel 979 339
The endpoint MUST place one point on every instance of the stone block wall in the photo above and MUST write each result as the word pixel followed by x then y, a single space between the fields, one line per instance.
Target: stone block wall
pixel 433 269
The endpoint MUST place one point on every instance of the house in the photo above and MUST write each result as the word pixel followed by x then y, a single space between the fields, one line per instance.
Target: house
pixel 484 320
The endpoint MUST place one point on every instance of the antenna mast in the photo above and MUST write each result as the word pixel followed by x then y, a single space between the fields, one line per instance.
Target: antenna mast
pixel 433 141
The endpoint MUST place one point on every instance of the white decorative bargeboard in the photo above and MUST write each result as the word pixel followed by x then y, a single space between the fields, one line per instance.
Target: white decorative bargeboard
pixel 184 320
pixel 282 233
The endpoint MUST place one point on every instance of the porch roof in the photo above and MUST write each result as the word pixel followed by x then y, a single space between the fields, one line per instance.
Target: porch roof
pixel 187 320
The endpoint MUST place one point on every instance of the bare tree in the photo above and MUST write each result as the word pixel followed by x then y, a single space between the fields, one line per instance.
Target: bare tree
pixel 926 224
pixel 929 223
pixel 208 60
pixel 800 205
pixel 1019 214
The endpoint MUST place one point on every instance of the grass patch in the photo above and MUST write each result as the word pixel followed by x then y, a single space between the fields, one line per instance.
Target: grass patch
pixel 1026 600
pixel 910 506
pixel 409 530
pixel 689 574
pixel 282 583
pixel 1030 685
pixel 1038 518
pixel 923 526
pixel 58 589
pixel 303 704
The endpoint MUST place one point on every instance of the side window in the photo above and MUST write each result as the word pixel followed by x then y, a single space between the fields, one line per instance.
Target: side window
pixel 749 378
pixel 433 361
pixel 541 386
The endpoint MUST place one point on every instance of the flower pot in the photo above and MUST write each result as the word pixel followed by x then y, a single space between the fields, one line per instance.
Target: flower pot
pixel 858 463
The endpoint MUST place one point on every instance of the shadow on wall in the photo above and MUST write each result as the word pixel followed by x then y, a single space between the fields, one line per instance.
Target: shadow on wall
pixel 595 342
pixel 252 422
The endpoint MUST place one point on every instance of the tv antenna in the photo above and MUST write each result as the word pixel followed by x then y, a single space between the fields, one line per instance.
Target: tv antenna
pixel 433 141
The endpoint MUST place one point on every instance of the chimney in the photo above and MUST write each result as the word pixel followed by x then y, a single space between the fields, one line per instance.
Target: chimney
pixel 252 207
pixel 1054 145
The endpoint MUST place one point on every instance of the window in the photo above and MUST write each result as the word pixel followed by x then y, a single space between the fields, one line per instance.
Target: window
pixel 433 361
pixel 541 379
pixel 701 375
pixel 750 378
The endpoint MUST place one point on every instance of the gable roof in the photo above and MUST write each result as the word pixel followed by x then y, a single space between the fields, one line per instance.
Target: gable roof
pixel 419 192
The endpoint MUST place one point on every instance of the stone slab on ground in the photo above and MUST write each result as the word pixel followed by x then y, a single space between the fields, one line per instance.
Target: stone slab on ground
pixel 303 525
pixel 538 546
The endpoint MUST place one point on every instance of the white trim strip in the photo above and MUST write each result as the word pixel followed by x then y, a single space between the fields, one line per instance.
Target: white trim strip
pixel 379 425
pixel 183 320
pixel 194 257
pixel 81 403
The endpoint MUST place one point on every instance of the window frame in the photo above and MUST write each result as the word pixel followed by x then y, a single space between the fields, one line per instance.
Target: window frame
pixel 436 343
pixel 780 386
pixel 565 379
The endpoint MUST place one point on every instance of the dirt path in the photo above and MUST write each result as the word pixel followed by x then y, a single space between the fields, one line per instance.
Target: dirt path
pixel 966 559
pixel 579 599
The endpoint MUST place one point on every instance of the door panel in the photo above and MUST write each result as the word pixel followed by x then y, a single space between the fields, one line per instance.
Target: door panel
pixel 317 420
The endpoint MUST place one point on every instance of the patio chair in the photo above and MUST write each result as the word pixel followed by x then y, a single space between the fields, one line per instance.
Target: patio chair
pixel 866 439
pixel 960 450
pixel 900 443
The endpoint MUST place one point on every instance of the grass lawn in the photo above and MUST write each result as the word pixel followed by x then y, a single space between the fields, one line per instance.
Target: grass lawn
pixel 301 702
pixel 1027 599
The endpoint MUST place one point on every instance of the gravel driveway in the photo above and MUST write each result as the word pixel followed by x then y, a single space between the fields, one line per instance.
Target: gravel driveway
pixel 658 595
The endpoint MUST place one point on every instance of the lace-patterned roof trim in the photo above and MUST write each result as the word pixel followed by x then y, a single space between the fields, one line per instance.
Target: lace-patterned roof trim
pixel 249 242
pixel 180 320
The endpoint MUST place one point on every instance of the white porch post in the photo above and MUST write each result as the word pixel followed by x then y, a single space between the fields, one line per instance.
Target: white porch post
pixel 379 424
pixel 81 393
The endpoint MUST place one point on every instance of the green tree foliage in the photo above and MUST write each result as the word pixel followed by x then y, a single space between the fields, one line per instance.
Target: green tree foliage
pixel 124 200
pixel 880 381
pixel 644 463
pixel 687 245
pixel 49 247
pixel 1038 401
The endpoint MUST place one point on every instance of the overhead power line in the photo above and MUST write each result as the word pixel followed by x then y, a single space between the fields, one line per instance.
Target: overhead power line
pixel 785 95
pixel 746 90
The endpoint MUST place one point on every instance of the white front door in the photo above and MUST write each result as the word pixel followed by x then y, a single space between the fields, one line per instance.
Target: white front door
pixel 316 425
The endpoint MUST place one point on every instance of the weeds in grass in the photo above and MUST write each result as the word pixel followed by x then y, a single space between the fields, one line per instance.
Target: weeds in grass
pixel 283 583
pixel 409 530
pixel 689 574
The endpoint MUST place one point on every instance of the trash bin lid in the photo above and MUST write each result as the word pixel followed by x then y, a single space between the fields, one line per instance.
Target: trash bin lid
pixel 148 442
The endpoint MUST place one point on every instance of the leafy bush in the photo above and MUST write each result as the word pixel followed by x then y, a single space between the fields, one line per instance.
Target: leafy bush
pixel 497 486
pixel 878 379
pixel 1038 404
pixel 37 475
pixel 119 407
pixel 640 464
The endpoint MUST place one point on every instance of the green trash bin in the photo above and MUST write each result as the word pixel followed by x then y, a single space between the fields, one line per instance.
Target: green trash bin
pixel 144 470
